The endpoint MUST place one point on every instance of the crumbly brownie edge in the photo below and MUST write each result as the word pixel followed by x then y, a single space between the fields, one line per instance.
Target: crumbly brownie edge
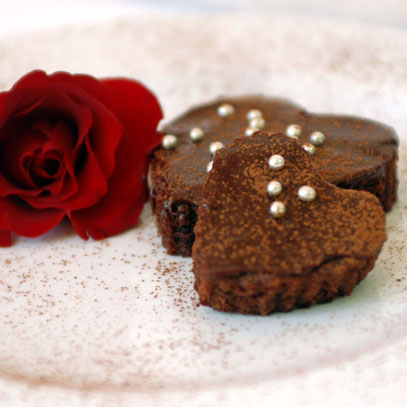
pixel 261 293
pixel 175 222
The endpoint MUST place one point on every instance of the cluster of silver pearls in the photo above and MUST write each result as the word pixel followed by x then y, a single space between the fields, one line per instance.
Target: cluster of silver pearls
pixel 306 193
pixel 274 188
pixel 256 121
pixel 253 114
pixel 277 209
pixel 249 131
pixel 309 148
pixel 169 141
pixel 317 138
pixel 293 131
pixel 215 146
pixel 226 110
pixel 276 162
pixel 196 134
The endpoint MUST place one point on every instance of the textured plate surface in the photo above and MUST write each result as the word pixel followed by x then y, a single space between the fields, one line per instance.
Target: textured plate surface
pixel 116 322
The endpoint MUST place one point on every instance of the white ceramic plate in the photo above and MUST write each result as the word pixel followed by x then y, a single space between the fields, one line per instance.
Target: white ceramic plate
pixel 116 322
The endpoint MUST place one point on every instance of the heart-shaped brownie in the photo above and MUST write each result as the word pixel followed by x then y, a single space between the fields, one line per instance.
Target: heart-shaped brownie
pixel 350 152
pixel 273 235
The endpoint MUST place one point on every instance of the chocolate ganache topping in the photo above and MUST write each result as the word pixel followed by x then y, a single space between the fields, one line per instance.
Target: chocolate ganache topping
pixel 237 231
pixel 351 152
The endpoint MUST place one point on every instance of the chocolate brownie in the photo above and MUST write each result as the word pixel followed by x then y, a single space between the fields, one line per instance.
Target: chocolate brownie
pixel 351 153
pixel 273 235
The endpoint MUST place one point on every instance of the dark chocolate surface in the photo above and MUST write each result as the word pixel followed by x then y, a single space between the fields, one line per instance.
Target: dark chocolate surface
pixel 358 153
pixel 236 234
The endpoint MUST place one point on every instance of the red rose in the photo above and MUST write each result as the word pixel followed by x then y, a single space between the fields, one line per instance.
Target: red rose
pixel 75 146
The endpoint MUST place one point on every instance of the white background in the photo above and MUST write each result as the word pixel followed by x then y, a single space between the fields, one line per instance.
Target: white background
pixel 19 16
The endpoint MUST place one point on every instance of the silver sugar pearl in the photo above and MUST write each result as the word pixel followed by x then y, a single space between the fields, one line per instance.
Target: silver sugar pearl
pixel 307 193
pixel 225 110
pixel 169 141
pixel 309 148
pixel 276 162
pixel 277 209
pixel 215 146
pixel 196 134
pixel 257 123
pixel 249 131
pixel 317 138
pixel 274 188
pixel 209 166
pixel 293 131
pixel 253 114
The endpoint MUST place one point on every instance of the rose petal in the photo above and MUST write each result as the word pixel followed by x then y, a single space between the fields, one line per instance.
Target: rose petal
pixel 90 189
pixel 104 119
pixel 38 79
pixel 139 112
pixel 14 98
pixel 16 216
pixel 59 145
pixel 105 131
pixel 5 238
pixel 12 158
pixel 56 105
pixel 31 80
pixel 92 86
pixel 87 185
pixel 2 98
pixel 120 208
pixel 47 170
pixel 61 104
